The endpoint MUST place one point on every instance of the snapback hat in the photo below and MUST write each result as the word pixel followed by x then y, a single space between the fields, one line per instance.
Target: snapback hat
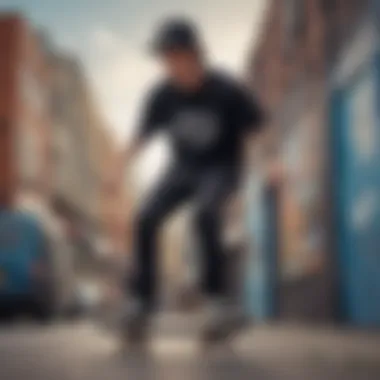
pixel 175 34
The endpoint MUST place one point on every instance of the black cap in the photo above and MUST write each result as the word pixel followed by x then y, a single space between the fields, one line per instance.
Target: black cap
pixel 176 34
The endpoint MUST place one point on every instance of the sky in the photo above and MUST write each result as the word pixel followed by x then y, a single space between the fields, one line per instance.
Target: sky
pixel 110 37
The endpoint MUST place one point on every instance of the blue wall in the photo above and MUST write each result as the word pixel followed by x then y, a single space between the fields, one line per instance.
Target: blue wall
pixel 355 118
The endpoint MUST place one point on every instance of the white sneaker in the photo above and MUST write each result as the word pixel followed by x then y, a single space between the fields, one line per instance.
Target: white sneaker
pixel 134 321
pixel 223 319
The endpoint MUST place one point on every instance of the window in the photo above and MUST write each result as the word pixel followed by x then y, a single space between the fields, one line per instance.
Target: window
pixel 61 139
pixel 328 6
pixel 32 90
pixel 333 28
pixel 295 23
pixel 29 157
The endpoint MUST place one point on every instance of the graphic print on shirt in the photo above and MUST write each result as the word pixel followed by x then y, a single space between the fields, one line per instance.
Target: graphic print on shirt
pixel 197 129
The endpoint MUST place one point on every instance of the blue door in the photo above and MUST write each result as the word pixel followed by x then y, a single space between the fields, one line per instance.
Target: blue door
pixel 260 277
pixel 356 147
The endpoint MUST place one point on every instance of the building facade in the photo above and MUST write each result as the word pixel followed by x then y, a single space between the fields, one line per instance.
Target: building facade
pixel 85 157
pixel 290 70
pixel 56 152
pixel 354 98
pixel 115 198
pixel 75 182
pixel 25 120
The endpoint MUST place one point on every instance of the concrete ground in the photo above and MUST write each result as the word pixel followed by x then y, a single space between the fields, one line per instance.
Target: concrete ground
pixel 82 351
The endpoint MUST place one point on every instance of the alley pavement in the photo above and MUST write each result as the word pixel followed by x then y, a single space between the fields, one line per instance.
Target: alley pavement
pixel 82 351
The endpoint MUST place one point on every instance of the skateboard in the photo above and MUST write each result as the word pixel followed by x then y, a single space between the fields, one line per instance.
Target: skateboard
pixel 224 337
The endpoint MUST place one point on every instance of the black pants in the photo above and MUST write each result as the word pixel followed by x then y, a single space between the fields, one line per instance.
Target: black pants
pixel 208 189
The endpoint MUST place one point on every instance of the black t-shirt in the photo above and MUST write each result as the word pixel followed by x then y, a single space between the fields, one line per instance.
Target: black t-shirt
pixel 206 126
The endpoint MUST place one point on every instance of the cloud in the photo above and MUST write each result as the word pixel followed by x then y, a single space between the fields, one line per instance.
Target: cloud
pixel 105 39
pixel 120 76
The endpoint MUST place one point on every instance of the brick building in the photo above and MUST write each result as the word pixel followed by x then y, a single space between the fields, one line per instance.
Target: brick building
pixel 84 156
pixel 115 200
pixel 25 171
pixel 74 181
pixel 56 154
pixel 290 69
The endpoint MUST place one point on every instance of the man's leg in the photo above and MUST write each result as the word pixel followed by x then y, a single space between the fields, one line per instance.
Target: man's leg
pixel 172 190
pixel 213 194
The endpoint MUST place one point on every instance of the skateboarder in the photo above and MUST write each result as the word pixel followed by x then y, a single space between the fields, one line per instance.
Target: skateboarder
pixel 206 115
